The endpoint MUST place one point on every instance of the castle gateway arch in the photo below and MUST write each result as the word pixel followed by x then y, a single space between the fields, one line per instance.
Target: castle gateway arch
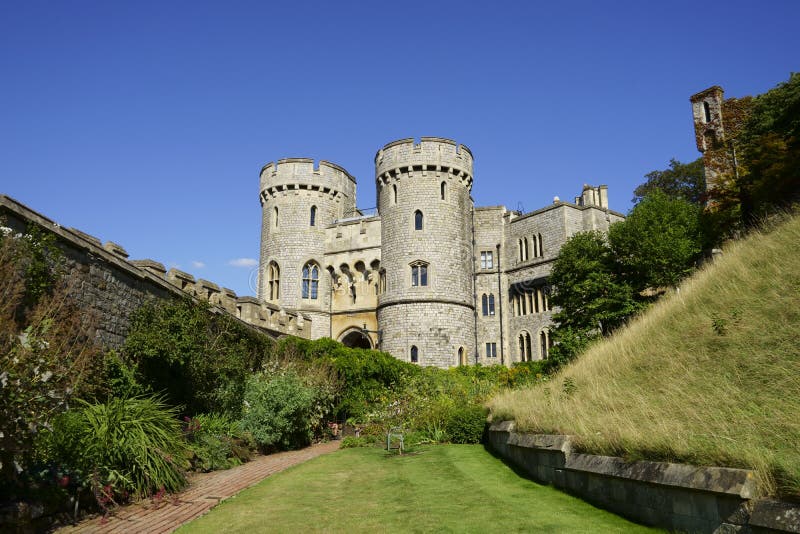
pixel 355 338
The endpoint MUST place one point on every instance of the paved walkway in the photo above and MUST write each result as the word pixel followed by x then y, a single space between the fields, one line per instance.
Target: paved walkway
pixel 205 491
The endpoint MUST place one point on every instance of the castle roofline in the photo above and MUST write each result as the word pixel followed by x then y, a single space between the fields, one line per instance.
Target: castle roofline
pixel 312 161
pixel 705 92
pixel 410 141
pixel 560 204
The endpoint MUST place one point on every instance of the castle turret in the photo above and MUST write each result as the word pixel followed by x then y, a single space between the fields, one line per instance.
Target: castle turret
pixel 426 308
pixel 298 200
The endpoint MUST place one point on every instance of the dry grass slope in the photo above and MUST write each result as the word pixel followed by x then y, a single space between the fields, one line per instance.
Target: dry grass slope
pixel 710 375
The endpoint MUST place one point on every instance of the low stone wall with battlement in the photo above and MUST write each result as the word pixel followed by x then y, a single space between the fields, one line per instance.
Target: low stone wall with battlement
pixel 110 287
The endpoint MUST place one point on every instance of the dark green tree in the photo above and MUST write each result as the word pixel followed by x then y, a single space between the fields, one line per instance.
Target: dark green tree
pixel 587 287
pixel 770 148
pixel 681 180
pixel 659 242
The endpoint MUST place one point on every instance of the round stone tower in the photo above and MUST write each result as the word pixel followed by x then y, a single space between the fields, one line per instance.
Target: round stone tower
pixel 426 310
pixel 298 200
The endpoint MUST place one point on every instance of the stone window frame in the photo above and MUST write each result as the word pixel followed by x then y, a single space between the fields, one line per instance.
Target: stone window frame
pixel 394 193
pixel 273 281
pixel 414 354
pixel 275 214
pixel 491 349
pixel 313 216
pixel 487 305
pixel 545 343
pixel 420 273
pixel 443 191
pixel 419 221
pixel 523 249
pixel 538 247
pixel 487 259
pixel 309 289
pixel 524 346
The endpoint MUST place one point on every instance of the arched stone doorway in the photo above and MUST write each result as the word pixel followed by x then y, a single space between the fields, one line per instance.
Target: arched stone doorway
pixel 356 339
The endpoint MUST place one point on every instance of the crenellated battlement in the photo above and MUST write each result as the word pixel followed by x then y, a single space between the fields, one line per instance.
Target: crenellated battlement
pixel 294 174
pixel 111 281
pixel 431 154
pixel 303 169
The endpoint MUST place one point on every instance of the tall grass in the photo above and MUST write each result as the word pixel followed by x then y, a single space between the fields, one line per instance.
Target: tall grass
pixel 710 375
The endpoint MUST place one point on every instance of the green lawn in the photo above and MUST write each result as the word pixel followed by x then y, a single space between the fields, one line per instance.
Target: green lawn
pixel 456 488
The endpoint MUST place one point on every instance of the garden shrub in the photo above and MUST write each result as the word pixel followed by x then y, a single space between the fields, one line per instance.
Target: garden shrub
pixel 217 442
pixel 350 442
pixel 196 358
pixel 122 447
pixel 47 353
pixel 466 424
pixel 277 410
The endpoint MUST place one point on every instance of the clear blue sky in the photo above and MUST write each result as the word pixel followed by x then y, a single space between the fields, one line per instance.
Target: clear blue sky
pixel 146 123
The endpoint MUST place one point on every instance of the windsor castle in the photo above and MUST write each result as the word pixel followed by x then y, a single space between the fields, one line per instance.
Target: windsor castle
pixel 429 278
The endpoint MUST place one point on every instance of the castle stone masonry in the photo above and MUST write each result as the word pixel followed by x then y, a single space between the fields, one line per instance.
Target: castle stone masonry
pixel 429 278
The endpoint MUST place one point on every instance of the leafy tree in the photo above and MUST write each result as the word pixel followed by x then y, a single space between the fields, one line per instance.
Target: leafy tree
pixel 771 149
pixel 680 181
pixel 659 242
pixel 588 288
pixel 198 359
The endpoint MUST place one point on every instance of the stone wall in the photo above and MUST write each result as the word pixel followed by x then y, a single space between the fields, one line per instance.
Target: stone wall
pixel 677 497
pixel 111 288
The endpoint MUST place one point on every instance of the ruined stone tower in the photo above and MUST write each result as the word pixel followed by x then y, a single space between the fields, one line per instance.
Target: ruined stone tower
pixel 710 134
pixel 298 202
pixel 426 309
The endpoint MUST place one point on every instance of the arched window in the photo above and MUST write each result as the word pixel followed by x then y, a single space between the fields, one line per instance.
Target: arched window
pixel 419 273
pixel 313 216
pixel 274 281
pixel 417 220
pixel 394 194
pixel 491 304
pixel 275 215
pixel 707 112
pixel 519 243
pixel 524 248
pixel 485 304
pixel 443 188
pixel 414 354
pixel 310 281
pixel 462 356
pixel 545 343
pixel 541 246
pixel 527 347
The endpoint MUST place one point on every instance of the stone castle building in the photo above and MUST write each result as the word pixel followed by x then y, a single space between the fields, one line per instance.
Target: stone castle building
pixel 429 277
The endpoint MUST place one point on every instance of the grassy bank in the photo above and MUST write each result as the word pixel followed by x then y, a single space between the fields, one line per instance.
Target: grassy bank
pixel 446 488
pixel 710 375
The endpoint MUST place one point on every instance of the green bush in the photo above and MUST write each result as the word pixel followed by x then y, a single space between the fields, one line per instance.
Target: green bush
pixel 217 442
pixel 122 447
pixel 197 359
pixel 350 442
pixel 277 410
pixel 466 424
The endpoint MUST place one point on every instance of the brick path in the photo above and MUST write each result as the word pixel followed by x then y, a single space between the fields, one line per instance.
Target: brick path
pixel 205 491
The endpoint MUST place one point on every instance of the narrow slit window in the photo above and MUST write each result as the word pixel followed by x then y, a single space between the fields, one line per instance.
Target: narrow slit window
pixel 418 220
pixel 414 354
pixel 313 216
pixel 707 112
pixel 443 190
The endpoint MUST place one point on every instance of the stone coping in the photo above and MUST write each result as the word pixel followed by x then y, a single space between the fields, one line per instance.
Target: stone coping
pixel 722 480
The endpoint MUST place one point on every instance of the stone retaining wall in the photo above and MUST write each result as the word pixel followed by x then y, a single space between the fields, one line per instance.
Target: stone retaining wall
pixel 666 495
